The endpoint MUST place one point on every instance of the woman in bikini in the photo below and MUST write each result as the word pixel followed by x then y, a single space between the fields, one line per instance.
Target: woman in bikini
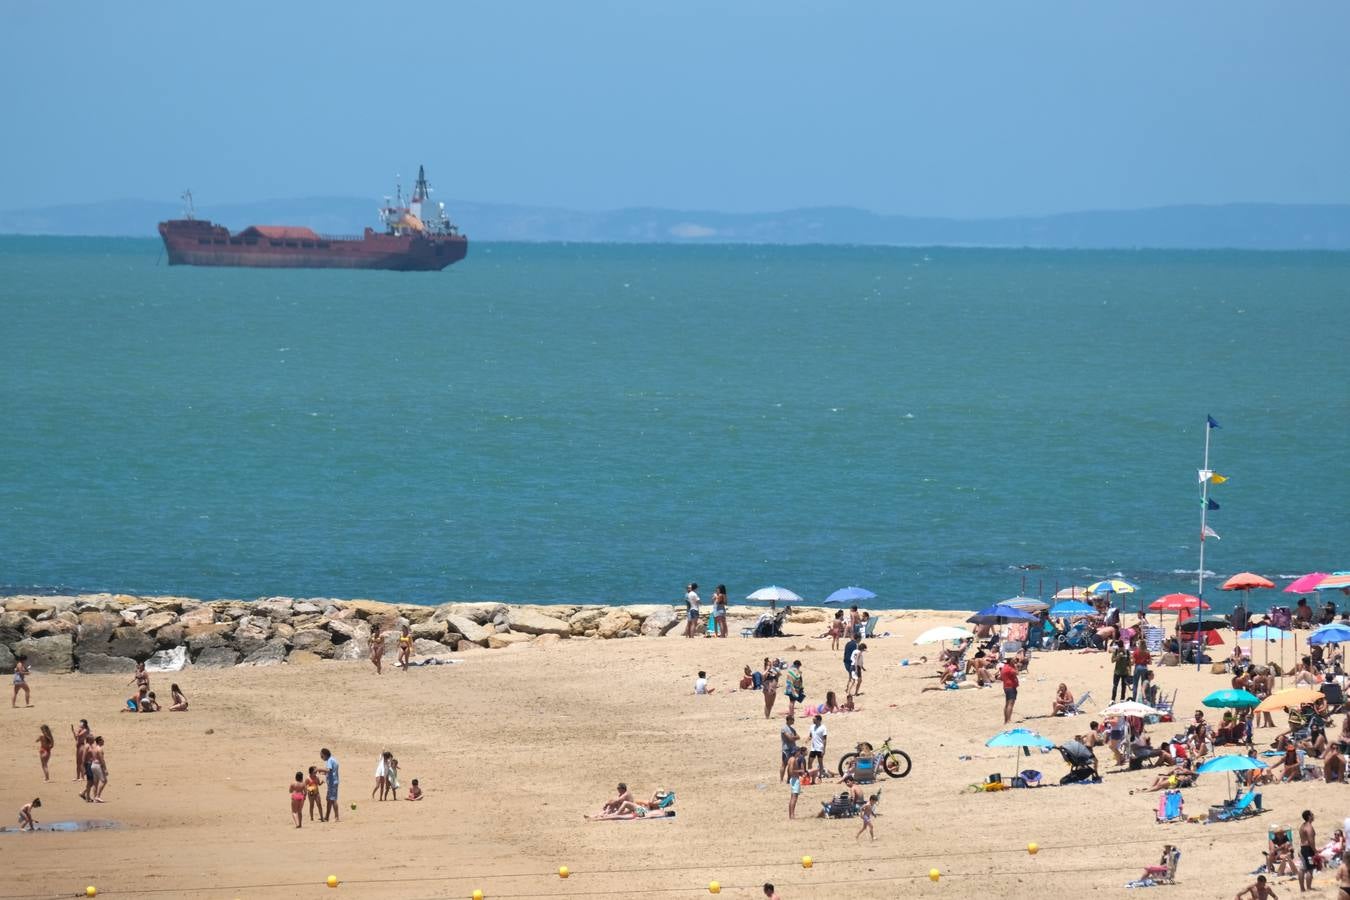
pixel 81 735
pixel 45 744
pixel 836 629
pixel 1063 700
pixel 770 682
pixel 180 701
pixel 405 648
pixel 377 648
pixel 298 798
pixel 312 792
pixel 21 682
pixel 720 611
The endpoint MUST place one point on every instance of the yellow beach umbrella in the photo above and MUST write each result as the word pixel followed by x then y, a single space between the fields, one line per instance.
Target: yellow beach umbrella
pixel 1291 697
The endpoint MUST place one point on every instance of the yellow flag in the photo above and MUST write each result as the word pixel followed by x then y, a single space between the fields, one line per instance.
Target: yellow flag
pixel 1216 478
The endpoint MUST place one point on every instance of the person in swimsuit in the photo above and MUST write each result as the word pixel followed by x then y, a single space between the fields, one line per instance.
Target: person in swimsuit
pixel 81 735
pixel 1307 850
pixel 141 679
pixel 793 689
pixel 770 681
pixel 180 701
pixel 312 792
pixel 1257 891
pixel 624 796
pixel 1343 879
pixel 868 813
pixel 21 683
pixel 720 610
pixel 405 646
pixel 98 770
pixel 26 820
pixel 796 768
pixel 45 744
pixel 391 775
pixel 788 738
pixel 298 799
pixel 377 648
pixel 381 776
pixel 836 629
pixel 414 792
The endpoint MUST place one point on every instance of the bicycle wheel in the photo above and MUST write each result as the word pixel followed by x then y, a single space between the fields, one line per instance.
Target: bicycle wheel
pixel 844 762
pixel 897 764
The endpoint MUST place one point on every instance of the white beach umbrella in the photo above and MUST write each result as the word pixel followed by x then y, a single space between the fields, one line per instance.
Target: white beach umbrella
pixel 943 633
pixel 1131 708
pixel 1026 604
pixel 774 595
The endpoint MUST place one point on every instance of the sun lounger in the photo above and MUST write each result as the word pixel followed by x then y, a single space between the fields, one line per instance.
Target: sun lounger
pixel 1249 804
pixel 1162 874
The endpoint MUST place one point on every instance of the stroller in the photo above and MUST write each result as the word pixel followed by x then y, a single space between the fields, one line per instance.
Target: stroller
pixel 770 624
pixel 1082 764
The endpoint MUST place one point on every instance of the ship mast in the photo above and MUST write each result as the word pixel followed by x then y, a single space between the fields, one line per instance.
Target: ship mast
pixel 189 212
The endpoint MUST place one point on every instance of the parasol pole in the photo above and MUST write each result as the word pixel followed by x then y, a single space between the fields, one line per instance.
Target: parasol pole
pixel 1204 510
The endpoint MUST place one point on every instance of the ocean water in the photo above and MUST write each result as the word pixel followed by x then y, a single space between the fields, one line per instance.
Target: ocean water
pixel 605 423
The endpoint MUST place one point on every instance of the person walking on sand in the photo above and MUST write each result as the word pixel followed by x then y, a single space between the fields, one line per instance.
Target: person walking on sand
pixel 98 770
pixel 21 683
pixel 330 767
pixel 720 610
pixel 868 813
pixel 381 776
pixel 26 820
pixel 1120 671
pixel 298 799
pixel 45 743
pixel 312 792
pixel 1307 851
pixel 792 687
pixel 855 688
pixel 691 603
pixel 405 648
pixel 377 647
pixel 796 768
pixel 788 740
pixel 770 686
pixel 1008 675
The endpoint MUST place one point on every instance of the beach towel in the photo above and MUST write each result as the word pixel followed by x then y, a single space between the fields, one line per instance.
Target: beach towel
pixel 630 817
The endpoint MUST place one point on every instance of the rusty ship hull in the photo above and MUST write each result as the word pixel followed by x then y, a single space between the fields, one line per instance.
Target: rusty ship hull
pixel 196 242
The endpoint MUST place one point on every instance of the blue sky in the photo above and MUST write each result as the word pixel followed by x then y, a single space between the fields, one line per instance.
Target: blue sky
pixel 936 108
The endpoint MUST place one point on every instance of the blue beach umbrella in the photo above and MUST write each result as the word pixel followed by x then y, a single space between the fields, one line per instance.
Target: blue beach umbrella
pixel 998 614
pixel 1112 586
pixel 1231 698
pixel 1019 737
pixel 1231 762
pixel 1264 633
pixel 1334 633
pixel 1070 608
pixel 850 595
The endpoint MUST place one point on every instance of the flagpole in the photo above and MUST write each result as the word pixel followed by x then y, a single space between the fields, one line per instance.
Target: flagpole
pixel 1204 511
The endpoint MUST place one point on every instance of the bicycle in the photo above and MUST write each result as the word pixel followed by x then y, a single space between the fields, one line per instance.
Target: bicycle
pixel 895 763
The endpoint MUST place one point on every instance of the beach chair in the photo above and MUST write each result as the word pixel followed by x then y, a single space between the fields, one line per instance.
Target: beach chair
pixel 1077 708
pixel 1153 638
pixel 1171 806
pixel 1163 873
pixel 1167 704
pixel 870 630
pixel 1249 804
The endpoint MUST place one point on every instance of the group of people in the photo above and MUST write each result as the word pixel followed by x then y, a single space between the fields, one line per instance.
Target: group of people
pixel 693 611
pixel 326 775
pixel 145 701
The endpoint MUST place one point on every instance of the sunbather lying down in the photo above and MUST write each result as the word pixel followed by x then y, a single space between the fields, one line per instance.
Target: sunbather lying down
pixel 625 807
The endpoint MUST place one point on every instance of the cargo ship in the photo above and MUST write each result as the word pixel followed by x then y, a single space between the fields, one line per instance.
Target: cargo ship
pixel 410 240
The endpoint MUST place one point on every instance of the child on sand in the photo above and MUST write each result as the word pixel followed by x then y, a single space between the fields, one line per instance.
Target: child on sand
pixel 868 812
pixel 701 684
pixel 45 744
pixel 312 792
pixel 771 893
pixel 415 792
pixel 391 775
pixel 298 798
pixel 26 820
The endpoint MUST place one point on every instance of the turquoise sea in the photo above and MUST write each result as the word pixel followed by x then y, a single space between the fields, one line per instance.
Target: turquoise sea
pixel 605 423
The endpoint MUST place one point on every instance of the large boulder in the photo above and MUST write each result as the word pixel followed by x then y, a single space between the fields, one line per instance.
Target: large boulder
pixel 584 619
pixel 170 636
pixel 130 641
pixel 431 631
pixel 272 653
pixel 315 640
pixel 302 658
pixel 250 633
pixel 13 625
pixel 472 631
pixel 167 660
pixel 613 622
pixel 156 620
pixel 201 615
pixel 480 613
pixel 660 623
pixel 464 645
pixel 53 654
pixel 416 614
pixel 348 629
pixel 218 657
pixel 277 608
pixel 305 608
pixel 97 626
pixel 356 648
pixel 52 626
pixel 213 635
pixel 6 659
pixel 423 647
pixel 504 639
pixel 103 664
pixel 529 622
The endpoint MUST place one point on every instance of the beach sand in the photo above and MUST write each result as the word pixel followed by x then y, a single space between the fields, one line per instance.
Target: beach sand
pixel 514 746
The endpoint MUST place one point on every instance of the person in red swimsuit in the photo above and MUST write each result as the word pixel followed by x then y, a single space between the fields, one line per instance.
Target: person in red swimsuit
pixel 1008 675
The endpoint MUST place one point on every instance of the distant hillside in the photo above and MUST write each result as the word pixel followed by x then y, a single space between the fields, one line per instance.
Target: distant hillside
pixel 1254 226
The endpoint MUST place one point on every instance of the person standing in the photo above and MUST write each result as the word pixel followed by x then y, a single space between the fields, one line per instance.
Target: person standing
pixel 868 813
pixel 1008 675
pixel 849 647
pixel 45 743
pixel 855 687
pixel 1307 851
pixel 405 648
pixel 836 629
pixel 855 622
pixel 793 688
pixel 691 603
pixel 819 737
pixel 330 767
pixel 788 739
pixel 381 776
pixel 297 791
pixel 98 770
pixel 769 684
pixel 377 647
pixel 1120 671
pixel 21 683
pixel 1141 660
pixel 796 768
pixel 720 611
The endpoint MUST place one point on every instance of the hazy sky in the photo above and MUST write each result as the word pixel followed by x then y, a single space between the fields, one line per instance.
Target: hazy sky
pixel 933 108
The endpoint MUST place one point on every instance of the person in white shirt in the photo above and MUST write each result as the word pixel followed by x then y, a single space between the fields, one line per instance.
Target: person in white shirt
pixel 855 683
pixel 701 684
pixel 819 737
pixel 691 614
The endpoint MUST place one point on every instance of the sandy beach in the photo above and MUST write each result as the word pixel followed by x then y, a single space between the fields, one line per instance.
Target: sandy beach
pixel 513 747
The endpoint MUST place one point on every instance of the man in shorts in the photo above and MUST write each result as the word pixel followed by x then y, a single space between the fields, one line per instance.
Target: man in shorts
pixel 691 602
pixel 788 737
pixel 1307 850
pixel 330 767
pixel 819 737
pixel 1008 675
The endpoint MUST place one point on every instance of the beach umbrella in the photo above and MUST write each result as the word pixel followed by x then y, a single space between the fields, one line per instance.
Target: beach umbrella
pixel 774 595
pixel 1116 586
pixel 1306 584
pixel 1246 581
pixel 1018 737
pixel 1000 615
pixel 943 633
pixel 1230 762
pixel 1026 604
pixel 1231 698
pixel 1130 708
pixel 850 595
pixel 1177 602
pixel 1263 633
pixel 1334 633
pixel 1289 697
pixel 1072 593
pixel 1335 581
pixel 1070 608
pixel 1215 624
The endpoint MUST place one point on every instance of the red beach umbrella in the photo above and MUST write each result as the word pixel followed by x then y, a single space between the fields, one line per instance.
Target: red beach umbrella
pixel 1305 584
pixel 1178 602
